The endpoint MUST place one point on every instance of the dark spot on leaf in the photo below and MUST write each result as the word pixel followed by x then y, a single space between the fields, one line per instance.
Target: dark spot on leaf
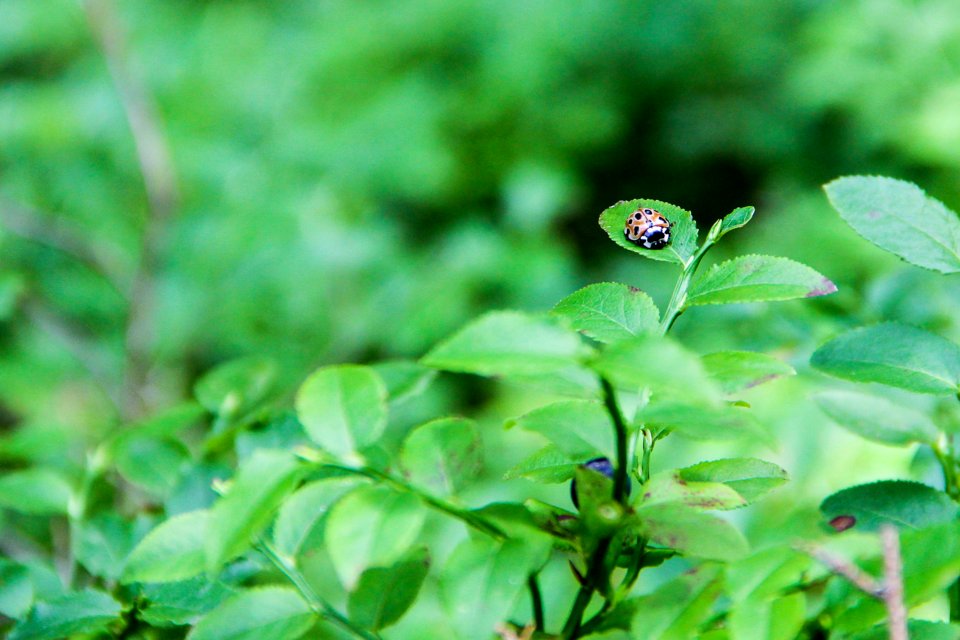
pixel 842 523
pixel 634 289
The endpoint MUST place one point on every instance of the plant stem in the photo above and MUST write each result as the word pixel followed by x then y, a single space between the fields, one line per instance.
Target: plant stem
pixel 536 601
pixel 319 606
pixel 464 515
pixel 78 506
pixel 597 571
pixel 595 574
pixel 620 432
pixel 678 299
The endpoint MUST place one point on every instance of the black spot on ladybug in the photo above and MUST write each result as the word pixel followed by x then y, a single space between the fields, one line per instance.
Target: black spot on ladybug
pixel 648 229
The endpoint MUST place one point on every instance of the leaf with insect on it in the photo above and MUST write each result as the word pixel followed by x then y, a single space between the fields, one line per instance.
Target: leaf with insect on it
pixel 683 233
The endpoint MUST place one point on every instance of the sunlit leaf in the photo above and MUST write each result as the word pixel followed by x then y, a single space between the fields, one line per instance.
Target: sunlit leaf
pixel 927 233
pixel 343 408
pixel 505 343
pixel 876 418
pixel 755 278
pixel 683 234
pixel 893 354
pixel 609 311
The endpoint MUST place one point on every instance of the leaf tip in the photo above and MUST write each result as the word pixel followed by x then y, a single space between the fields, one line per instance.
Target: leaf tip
pixel 826 287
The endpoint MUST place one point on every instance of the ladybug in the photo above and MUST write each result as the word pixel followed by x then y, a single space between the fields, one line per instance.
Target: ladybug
pixel 648 228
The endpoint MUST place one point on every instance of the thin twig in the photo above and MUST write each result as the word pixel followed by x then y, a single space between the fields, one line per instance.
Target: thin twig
pixel 893 583
pixel 156 167
pixel 78 346
pixel 889 591
pixel 43 229
pixel 854 574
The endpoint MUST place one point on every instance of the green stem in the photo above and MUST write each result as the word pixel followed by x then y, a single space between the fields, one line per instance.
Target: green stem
pixel 678 299
pixel 319 606
pixel 598 572
pixel 79 504
pixel 648 443
pixel 466 516
pixel 536 601
pixel 620 431
pixel 595 574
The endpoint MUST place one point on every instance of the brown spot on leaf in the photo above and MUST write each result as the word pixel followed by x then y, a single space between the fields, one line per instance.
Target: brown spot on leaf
pixel 842 523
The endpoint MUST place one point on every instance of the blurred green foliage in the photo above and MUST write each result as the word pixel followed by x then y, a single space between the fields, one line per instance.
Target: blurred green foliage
pixel 359 179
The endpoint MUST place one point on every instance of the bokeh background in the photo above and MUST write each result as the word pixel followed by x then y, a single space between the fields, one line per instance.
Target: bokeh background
pixel 352 181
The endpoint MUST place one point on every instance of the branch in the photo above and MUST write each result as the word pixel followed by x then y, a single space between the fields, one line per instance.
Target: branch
pixel 156 167
pixel 33 226
pixel 78 346
pixel 889 591
pixel 893 583
pixel 854 574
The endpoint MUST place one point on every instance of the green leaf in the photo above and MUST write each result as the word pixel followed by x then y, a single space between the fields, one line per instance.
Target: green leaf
pixel 737 371
pixel 893 354
pixel 735 219
pixel 261 483
pixel 926 234
pixel 236 387
pixel 102 543
pixel 164 424
pixel 657 363
pixel 600 514
pixel 181 603
pixel 299 524
pixel 579 428
pixel 750 477
pixel 371 527
pixel 765 574
pixel 755 278
pixel 683 235
pixel 703 421
pixel 174 550
pixel 548 465
pixel 403 379
pixel 908 505
pixel 876 418
pixel 38 491
pixel 278 613
pixel 343 408
pixel 443 455
pixel 507 343
pixel 916 630
pixel 691 531
pixel 383 595
pixel 151 463
pixel 16 589
pixel 481 583
pixel 83 612
pixel 670 486
pixel 674 611
pixel 610 312
pixel 778 619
